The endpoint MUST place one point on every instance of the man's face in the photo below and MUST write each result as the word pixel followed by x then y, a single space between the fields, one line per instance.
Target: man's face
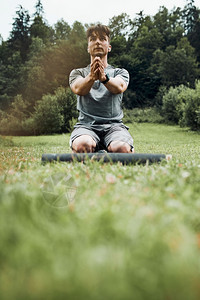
pixel 98 44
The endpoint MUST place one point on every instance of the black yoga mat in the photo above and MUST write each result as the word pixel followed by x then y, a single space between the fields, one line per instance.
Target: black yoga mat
pixel 124 158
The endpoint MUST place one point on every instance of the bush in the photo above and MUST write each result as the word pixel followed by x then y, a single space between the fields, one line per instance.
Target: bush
pixel 181 105
pixel 10 125
pixel 147 115
pixel 16 121
pixel 48 117
pixel 53 114
pixel 67 103
pixel 191 116
pixel 159 97
pixel 173 104
pixel 56 113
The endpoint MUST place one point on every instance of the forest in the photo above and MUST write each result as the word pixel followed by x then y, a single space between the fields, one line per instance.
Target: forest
pixel 161 53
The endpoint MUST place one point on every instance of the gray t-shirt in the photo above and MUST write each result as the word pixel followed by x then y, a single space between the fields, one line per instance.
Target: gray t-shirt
pixel 99 106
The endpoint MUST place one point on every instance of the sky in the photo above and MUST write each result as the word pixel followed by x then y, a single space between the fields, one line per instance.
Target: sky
pixel 84 11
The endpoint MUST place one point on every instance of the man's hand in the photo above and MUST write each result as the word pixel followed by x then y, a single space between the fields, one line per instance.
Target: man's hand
pixel 97 69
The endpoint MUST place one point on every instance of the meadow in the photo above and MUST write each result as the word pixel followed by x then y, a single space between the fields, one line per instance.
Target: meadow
pixel 101 231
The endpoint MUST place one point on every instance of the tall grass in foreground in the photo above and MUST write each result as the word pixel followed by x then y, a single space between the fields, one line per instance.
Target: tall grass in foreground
pixel 128 232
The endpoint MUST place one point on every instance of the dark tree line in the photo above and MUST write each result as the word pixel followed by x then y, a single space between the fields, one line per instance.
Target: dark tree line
pixel 159 51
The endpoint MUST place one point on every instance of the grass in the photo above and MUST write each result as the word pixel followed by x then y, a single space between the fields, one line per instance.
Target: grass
pixel 126 232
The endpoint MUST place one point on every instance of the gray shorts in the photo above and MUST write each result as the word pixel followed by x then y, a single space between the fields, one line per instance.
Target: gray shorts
pixel 103 134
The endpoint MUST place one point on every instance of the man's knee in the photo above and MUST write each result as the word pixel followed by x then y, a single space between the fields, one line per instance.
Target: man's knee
pixel 120 147
pixel 83 144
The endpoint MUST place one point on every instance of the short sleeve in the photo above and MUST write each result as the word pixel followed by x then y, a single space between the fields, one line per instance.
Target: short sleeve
pixel 123 74
pixel 74 75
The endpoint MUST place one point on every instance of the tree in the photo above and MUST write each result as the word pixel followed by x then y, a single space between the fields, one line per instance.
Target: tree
pixel 39 9
pixel 143 81
pixel 20 37
pixel 11 76
pixel 169 25
pixel 178 64
pixel 62 30
pixel 13 54
pixel 191 16
pixel 120 26
pixel 39 27
pixel 77 34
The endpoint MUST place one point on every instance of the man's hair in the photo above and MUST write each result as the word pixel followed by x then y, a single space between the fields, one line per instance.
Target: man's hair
pixel 98 29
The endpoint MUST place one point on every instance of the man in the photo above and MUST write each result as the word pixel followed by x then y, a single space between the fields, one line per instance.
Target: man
pixel 99 88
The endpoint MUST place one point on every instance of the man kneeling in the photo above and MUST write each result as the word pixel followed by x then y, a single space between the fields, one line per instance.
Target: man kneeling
pixel 99 88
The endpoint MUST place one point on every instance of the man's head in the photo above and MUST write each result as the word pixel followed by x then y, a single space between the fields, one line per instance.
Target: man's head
pixel 99 29
pixel 98 40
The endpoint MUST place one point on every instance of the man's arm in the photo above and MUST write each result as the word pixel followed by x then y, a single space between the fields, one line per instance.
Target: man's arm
pixel 116 85
pixel 82 85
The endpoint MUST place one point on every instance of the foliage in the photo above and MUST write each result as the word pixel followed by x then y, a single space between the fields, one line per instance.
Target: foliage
pixel 19 38
pixel 177 65
pixel 136 115
pixel 120 26
pixel 39 27
pixel 129 230
pixel 181 105
pixel 191 16
pixel 14 122
pixel 62 30
pixel 159 97
pixel 173 104
pixel 67 102
pixel 191 116
pixel 47 116
pixel 54 113
pixel 11 79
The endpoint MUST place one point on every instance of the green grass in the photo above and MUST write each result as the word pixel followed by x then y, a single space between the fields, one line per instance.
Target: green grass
pixel 130 232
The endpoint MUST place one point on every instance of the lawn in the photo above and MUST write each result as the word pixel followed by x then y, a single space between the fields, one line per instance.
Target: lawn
pixel 101 231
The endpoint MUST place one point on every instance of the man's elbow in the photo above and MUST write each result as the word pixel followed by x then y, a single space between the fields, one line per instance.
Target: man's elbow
pixel 80 93
pixel 121 88
pixel 76 90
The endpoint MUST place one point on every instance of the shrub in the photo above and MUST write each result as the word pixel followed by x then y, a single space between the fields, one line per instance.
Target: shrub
pixel 28 126
pixel 48 117
pixel 16 121
pixel 159 97
pixel 147 115
pixel 19 108
pixel 53 114
pixel 181 105
pixel 67 102
pixel 56 113
pixel 191 115
pixel 173 104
